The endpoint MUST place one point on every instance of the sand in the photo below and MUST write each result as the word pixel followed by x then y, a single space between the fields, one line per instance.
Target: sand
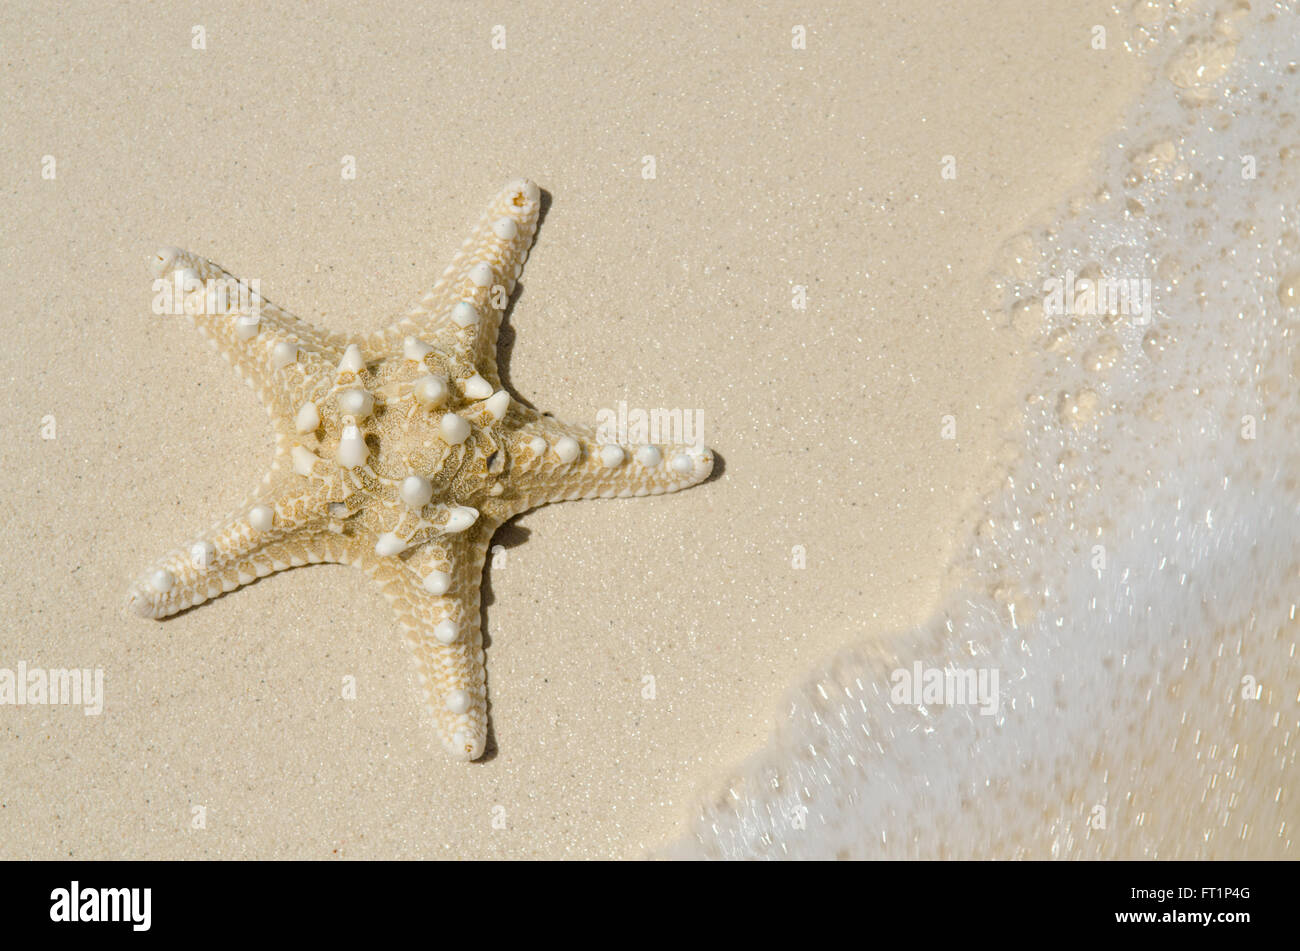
pixel 224 731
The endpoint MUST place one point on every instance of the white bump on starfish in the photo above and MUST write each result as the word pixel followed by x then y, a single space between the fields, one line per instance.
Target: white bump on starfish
pixel 416 491
pixel 356 402
pixel 303 460
pixel 186 277
pixel 202 554
pixel 162 580
pixel 415 349
pixel 283 354
pixel 261 518
pixel 465 314
pixel 458 701
pixel 649 456
pixel 454 429
pixel 308 419
pixel 447 632
pixel 459 518
pixel 567 448
pixel 481 274
pixel 352 448
pixel 682 463
pixel 476 388
pixel 437 582
pixel 246 328
pixel 389 543
pixel 498 404
pixel 430 391
pixel 537 446
pixel 505 228
pixel 352 362
pixel 611 456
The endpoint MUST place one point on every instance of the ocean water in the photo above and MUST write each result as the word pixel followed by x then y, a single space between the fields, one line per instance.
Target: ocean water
pixel 1116 674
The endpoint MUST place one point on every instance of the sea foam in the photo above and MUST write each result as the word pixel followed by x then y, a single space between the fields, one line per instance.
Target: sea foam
pixel 1134 580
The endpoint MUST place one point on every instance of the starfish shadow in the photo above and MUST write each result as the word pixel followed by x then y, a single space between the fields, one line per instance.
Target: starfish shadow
pixel 719 467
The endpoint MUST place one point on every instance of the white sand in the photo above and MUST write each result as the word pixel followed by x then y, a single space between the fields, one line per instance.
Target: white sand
pixel 775 168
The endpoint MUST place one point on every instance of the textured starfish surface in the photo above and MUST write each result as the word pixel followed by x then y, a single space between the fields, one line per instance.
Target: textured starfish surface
pixel 401 454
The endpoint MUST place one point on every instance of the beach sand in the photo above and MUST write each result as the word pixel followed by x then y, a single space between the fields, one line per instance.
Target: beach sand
pixel 774 168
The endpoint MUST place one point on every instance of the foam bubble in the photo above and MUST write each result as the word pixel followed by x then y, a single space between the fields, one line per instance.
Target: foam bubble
pixel 1134 583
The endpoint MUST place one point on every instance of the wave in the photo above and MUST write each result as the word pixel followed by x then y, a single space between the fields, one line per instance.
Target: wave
pixel 1115 674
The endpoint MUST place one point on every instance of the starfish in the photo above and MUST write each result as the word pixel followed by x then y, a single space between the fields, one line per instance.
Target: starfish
pixel 399 453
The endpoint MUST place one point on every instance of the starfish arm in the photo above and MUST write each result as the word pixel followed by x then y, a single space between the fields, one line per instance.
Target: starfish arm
pixel 559 462
pixel 269 348
pixel 462 313
pixel 435 594
pixel 268 534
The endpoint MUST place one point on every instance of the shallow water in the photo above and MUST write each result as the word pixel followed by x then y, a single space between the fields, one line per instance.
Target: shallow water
pixel 1124 615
